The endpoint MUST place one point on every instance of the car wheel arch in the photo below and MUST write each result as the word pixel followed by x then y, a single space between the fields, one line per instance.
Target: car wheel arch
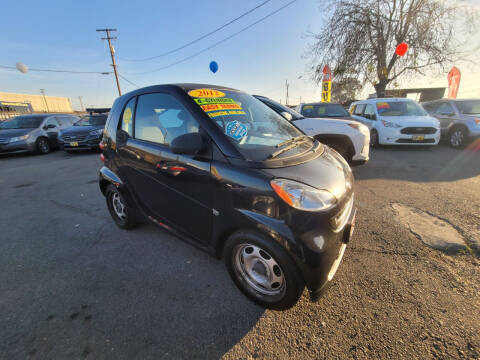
pixel 339 139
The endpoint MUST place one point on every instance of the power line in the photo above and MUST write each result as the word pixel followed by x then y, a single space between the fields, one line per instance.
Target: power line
pixel 58 71
pixel 130 82
pixel 217 43
pixel 200 38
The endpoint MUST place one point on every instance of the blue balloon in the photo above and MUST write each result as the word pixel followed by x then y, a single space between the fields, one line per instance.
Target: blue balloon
pixel 213 66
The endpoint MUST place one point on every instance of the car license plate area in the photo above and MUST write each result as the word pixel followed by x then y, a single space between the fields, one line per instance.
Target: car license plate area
pixel 74 143
pixel 418 137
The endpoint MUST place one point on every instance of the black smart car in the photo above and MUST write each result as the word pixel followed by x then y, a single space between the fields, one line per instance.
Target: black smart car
pixel 225 172
pixel 85 134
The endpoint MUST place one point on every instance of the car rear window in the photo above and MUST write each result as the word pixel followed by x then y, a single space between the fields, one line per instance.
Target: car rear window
pixel 324 110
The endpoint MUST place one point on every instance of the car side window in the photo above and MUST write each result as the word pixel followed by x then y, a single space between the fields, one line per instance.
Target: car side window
pixel 369 112
pixel 444 109
pixel 52 121
pixel 160 118
pixel 359 109
pixel 127 117
pixel 431 108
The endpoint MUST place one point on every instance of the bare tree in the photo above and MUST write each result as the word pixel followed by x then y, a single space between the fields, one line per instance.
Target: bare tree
pixel 359 39
pixel 345 89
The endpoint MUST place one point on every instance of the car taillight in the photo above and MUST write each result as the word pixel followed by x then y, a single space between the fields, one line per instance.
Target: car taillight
pixel 102 157
pixel 101 145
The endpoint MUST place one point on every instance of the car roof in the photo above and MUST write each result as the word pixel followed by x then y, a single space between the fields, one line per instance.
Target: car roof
pixel 320 103
pixel 446 99
pixel 192 86
pixel 375 100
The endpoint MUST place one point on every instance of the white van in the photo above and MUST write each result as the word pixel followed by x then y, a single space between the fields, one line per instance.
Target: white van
pixel 396 121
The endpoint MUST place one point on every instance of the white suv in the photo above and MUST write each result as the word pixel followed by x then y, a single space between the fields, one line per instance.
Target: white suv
pixel 349 138
pixel 396 121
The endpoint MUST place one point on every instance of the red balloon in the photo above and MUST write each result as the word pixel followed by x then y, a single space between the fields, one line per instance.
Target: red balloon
pixel 401 49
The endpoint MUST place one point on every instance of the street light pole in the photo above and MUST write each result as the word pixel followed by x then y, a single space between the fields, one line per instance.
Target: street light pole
pixel 44 99
pixel 112 52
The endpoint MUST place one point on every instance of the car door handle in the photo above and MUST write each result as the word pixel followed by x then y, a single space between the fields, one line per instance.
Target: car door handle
pixel 162 165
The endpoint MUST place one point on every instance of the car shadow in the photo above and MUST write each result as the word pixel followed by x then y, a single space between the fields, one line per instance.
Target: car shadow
pixel 425 164
pixel 139 294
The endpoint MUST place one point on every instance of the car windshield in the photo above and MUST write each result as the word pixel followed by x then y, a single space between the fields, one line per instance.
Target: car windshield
pixel 22 122
pixel 324 110
pixel 469 107
pixel 256 130
pixel 400 108
pixel 89 120
pixel 281 108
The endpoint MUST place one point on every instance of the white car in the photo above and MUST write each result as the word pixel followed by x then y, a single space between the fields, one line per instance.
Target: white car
pixel 349 138
pixel 396 121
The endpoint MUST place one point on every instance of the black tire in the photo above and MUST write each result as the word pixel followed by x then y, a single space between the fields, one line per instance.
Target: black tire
pixel 43 145
pixel 457 137
pixel 292 284
pixel 128 220
pixel 373 138
pixel 342 150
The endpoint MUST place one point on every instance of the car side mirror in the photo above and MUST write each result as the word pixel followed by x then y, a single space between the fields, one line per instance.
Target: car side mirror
pixel 49 126
pixel 188 144
pixel 287 115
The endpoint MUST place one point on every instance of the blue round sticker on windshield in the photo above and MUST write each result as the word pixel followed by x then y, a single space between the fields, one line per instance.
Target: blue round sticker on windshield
pixel 235 129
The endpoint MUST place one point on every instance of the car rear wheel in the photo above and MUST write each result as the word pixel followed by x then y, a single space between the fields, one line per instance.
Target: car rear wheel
pixel 43 145
pixel 458 137
pixel 263 270
pixel 118 209
pixel 373 138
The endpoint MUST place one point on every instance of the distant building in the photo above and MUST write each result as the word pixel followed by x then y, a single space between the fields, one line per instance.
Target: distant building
pixel 15 104
pixel 424 94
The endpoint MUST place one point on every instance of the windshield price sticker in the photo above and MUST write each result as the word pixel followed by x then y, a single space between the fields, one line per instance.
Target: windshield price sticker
pixel 206 101
pixel 236 130
pixel 382 106
pixel 213 107
pixel 206 93
pixel 225 113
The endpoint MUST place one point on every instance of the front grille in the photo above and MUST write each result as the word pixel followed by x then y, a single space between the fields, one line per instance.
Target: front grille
pixel 74 137
pixel 4 141
pixel 418 130
pixel 411 141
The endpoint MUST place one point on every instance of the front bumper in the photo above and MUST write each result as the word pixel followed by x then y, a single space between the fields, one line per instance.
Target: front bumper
pixel 393 136
pixel 18 147
pixel 87 144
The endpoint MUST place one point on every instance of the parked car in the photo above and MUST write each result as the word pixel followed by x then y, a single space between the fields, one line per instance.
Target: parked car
pixel 85 134
pixel 396 121
pixel 323 110
pixel 350 138
pixel 459 119
pixel 223 171
pixel 33 132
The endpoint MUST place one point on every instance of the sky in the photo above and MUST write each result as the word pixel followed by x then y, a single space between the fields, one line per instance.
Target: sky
pixel 45 34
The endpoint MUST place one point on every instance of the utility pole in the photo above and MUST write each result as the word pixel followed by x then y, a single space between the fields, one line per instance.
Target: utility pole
pixel 81 103
pixel 42 91
pixel 112 52
pixel 286 97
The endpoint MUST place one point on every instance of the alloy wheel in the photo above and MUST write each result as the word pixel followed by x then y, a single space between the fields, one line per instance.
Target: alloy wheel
pixel 118 206
pixel 259 270
pixel 44 146
pixel 456 138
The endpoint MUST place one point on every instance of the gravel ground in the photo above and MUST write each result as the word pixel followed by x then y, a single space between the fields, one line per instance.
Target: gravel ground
pixel 73 285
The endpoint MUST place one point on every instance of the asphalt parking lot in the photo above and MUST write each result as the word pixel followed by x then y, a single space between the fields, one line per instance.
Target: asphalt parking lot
pixel 73 285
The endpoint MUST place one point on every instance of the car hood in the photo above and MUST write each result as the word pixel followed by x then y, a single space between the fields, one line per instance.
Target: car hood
pixel 334 121
pixel 328 171
pixel 14 132
pixel 81 129
pixel 425 121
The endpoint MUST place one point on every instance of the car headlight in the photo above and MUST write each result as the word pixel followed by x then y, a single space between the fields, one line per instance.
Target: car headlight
pixel 19 138
pixel 302 196
pixel 97 132
pixel 390 124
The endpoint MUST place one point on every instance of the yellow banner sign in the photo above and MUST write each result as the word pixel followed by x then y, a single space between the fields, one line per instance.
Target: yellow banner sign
pixel 206 93
pixel 326 91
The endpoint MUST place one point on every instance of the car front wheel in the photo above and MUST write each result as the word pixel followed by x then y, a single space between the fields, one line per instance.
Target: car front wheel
pixel 43 145
pixel 263 270
pixel 373 138
pixel 457 137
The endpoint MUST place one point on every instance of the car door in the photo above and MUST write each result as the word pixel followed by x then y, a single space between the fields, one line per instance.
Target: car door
pixel 51 128
pixel 173 189
pixel 445 114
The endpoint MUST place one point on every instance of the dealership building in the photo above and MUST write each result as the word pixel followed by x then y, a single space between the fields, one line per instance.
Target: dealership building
pixel 14 104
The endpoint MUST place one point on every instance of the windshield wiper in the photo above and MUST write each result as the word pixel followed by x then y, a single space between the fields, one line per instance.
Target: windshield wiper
pixel 294 139
pixel 294 142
